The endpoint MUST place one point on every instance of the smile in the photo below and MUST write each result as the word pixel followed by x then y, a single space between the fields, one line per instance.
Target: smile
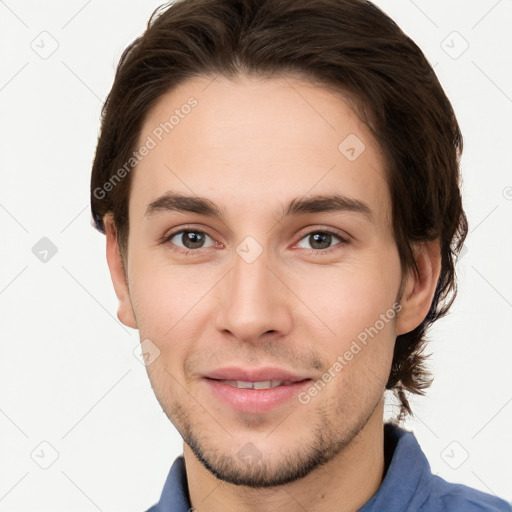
pixel 264 384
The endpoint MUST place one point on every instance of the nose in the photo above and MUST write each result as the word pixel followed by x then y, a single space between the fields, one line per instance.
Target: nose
pixel 254 302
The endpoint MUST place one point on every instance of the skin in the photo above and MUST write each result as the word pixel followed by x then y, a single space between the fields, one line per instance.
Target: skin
pixel 251 146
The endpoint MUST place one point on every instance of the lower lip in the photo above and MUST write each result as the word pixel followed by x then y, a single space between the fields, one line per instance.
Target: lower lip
pixel 255 400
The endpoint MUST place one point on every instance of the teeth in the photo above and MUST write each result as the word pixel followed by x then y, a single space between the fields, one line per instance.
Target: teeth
pixel 242 384
pixel 265 384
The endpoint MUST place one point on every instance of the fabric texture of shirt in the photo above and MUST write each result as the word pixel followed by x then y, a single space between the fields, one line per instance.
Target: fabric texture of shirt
pixel 408 486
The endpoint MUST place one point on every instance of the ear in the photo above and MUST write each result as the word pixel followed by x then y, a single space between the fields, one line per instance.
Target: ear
pixel 117 272
pixel 419 289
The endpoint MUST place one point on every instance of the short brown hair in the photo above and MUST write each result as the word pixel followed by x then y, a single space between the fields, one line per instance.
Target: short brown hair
pixel 348 45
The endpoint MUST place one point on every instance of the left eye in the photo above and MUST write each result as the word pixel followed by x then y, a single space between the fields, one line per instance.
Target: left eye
pixel 320 240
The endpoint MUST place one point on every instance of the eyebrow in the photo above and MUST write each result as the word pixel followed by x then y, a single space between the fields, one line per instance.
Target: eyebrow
pixel 172 201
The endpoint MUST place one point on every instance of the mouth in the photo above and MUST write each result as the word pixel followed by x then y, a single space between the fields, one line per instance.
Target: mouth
pixel 262 384
pixel 255 391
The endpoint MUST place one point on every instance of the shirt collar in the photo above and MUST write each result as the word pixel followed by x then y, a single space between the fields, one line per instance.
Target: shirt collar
pixel 406 484
pixel 174 496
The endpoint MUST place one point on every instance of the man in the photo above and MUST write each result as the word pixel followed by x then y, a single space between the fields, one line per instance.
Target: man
pixel 278 183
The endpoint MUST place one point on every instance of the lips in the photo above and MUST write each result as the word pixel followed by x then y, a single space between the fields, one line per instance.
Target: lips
pixel 255 390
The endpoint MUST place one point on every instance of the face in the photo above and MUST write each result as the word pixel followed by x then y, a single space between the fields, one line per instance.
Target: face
pixel 262 273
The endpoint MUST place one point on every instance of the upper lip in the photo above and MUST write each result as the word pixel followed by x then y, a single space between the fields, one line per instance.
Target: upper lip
pixel 254 374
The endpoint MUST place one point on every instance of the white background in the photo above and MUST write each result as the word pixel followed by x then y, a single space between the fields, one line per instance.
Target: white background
pixel 68 373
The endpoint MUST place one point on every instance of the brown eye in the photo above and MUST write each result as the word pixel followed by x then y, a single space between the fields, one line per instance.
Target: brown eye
pixel 320 240
pixel 189 239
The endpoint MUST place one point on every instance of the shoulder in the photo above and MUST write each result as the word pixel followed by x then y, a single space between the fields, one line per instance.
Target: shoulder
pixel 446 496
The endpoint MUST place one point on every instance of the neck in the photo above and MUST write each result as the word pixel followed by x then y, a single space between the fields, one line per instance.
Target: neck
pixel 345 483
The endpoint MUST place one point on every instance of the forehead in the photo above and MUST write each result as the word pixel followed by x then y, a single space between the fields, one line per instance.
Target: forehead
pixel 251 139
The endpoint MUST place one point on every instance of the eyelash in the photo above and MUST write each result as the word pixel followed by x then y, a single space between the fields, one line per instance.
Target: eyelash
pixel 317 252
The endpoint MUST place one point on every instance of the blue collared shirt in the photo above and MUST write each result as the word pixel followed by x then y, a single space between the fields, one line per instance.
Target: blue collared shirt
pixel 408 486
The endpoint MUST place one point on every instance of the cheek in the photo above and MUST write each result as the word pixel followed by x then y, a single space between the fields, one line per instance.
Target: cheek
pixel 170 304
pixel 350 297
pixel 356 304
pixel 162 295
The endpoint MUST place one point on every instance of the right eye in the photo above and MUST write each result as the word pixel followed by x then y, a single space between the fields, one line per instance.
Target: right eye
pixel 189 240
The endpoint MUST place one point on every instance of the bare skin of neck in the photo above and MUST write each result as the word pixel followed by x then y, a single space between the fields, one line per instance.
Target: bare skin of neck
pixel 344 484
